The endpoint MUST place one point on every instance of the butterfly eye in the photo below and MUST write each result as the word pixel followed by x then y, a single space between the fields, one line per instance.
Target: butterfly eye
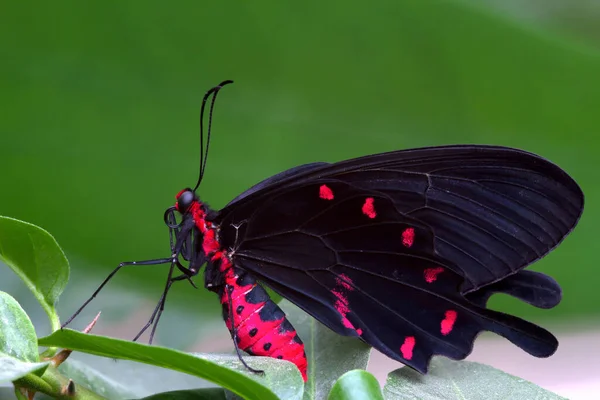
pixel 185 200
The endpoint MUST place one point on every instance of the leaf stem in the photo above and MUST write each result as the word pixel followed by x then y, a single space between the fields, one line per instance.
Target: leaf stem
pixel 34 382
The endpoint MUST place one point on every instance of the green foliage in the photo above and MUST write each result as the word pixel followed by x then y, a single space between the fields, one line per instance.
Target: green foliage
pixel 199 394
pixel 329 355
pixel 36 258
pixel 460 380
pixel 281 377
pixel 356 385
pixel 17 338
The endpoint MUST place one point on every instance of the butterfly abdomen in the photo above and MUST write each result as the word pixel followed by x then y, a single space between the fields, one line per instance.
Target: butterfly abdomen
pixel 262 327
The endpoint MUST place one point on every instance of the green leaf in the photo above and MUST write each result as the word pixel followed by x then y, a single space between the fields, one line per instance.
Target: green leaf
pixel 448 379
pixel 281 378
pixel 18 342
pixel 36 258
pixel 12 369
pixel 197 394
pixel 17 334
pixel 356 385
pixel 85 375
pixel 329 355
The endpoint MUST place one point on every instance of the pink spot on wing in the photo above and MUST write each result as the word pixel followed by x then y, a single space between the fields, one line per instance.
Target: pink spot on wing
pixel 341 305
pixel 407 347
pixel 431 274
pixel 344 281
pixel 368 208
pixel 325 192
pixel 408 237
pixel 448 322
pixel 344 284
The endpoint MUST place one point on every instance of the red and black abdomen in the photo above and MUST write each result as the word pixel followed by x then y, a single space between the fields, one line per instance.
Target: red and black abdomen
pixel 262 327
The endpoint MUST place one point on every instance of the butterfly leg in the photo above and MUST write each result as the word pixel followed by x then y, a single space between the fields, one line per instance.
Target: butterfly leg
pixel 229 290
pixel 186 273
pixel 123 264
pixel 161 303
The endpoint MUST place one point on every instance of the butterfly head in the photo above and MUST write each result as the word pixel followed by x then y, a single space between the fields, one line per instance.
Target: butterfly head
pixel 185 199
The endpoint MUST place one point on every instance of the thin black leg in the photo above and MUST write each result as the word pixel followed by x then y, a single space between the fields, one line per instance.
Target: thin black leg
pixel 123 264
pixel 159 307
pixel 163 301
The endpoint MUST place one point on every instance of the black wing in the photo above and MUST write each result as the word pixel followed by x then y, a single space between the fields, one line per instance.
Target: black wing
pixel 492 210
pixel 405 248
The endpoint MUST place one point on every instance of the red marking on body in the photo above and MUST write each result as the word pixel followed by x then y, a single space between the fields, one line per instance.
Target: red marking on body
pixel 431 274
pixel 359 331
pixel 368 208
pixel 448 322
pixel 254 332
pixel 407 347
pixel 210 243
pixel 408 237
pixel 282 343
pixel 325 193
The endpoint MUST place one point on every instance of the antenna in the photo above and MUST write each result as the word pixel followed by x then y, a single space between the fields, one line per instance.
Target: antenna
pixel 204 153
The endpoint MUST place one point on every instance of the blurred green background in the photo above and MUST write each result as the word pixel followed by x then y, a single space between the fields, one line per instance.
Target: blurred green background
pixel 99 117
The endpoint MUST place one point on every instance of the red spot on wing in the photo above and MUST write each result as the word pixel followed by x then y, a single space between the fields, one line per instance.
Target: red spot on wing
pixel 344 285
pixel 368 208
pixel 431 274
pixel 448 322
pixel 341 305
pixel 408 237
pixel 325 192
pixel 407 347
pixel 344 281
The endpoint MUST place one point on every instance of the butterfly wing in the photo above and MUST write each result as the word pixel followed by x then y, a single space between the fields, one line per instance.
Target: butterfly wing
pixel 388 246
pixel 492 210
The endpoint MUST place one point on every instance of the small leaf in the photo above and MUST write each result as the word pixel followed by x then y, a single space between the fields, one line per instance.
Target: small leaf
pixel 18 342
pixel 197 394
pixel 281 378
pixel 17 334
pixel 356 385
pixel 448 379
pixel 12 369
pixel 36 258
pixel 329 355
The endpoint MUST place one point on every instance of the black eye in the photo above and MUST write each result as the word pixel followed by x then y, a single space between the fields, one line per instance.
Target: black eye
pixel 185 200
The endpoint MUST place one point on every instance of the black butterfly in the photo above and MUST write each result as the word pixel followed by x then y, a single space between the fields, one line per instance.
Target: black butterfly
pixel 401 249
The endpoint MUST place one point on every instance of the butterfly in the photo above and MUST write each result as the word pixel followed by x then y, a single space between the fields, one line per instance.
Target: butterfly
pixel 401 249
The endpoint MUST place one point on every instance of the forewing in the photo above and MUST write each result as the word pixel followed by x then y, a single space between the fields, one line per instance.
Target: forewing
pixel 489 211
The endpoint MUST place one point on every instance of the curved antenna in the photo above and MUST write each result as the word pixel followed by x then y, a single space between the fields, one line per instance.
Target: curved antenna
pixel 204 153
